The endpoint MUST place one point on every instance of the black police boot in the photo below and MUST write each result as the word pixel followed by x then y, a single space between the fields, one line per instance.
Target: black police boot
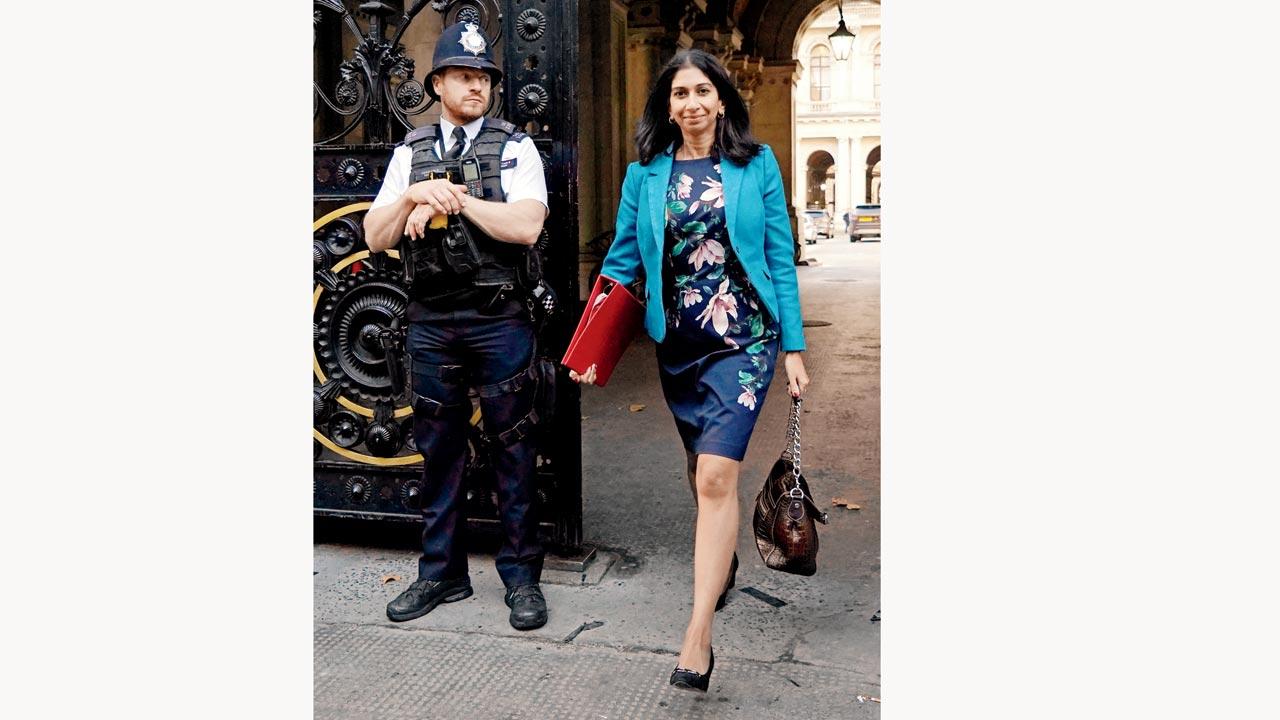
pixel 423 596
pixel 528 607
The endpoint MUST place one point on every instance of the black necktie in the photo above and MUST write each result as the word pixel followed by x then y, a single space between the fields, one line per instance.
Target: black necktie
pixel 459 139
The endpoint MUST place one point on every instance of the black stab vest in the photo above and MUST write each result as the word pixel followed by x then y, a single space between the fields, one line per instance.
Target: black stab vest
pixel 500 262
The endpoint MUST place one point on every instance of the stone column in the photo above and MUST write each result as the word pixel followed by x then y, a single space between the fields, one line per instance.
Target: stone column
pixel 621 131
pixel 773 120
pixel 647 52
pixel 848 187
pixel 653 36
pixel 602 141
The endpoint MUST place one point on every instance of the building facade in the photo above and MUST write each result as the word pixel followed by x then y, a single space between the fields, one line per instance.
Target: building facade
pixel 837 112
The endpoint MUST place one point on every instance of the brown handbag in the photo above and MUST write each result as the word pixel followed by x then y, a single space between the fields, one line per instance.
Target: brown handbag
pixel 784 524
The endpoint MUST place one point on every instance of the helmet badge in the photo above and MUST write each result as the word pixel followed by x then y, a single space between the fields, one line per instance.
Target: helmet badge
pixel 472 41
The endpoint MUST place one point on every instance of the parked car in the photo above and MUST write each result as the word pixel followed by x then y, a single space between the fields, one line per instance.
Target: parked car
pixel 808 231
pixel 866 222
pixel 817 223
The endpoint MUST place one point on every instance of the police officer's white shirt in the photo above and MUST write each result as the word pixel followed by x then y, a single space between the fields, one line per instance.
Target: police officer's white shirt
pixel 524 181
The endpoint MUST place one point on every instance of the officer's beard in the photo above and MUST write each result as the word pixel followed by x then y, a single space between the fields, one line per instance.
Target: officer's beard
pixel 465 111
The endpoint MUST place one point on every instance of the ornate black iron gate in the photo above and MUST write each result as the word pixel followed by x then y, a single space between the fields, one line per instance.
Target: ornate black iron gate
pixel 367 96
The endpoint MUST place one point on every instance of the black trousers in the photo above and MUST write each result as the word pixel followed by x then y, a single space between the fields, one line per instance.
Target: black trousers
pixel 491 349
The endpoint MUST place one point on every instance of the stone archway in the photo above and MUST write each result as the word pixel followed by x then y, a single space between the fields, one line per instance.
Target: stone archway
pixel 819 179
pixel 873 175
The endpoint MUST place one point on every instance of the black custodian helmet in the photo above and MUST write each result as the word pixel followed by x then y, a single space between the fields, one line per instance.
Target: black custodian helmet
pixel 462 45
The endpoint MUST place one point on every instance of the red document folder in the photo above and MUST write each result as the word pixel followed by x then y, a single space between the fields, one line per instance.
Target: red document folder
pixel 609 323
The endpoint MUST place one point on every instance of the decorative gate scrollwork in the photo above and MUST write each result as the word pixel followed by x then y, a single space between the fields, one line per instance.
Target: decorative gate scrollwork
pixel 368 92
pixel 376 84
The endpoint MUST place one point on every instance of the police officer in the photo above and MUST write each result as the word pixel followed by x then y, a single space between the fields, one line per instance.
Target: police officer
pixel 469 325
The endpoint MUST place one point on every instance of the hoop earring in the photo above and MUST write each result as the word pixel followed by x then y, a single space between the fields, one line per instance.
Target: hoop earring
pixel 671 120
pixel 720 114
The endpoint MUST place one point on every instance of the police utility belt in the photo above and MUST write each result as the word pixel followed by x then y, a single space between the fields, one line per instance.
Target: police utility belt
pixel 459 256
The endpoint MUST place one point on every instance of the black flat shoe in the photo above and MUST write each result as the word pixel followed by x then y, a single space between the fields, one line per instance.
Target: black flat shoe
pixel 690 680
pixel 733 578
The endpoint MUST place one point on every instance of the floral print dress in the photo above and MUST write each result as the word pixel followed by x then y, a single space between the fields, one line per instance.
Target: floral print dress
pixel 717 360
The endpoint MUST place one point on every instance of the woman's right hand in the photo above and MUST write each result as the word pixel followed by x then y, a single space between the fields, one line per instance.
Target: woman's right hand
pixel 586 378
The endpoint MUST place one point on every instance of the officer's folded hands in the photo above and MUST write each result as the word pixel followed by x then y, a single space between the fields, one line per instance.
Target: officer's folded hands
pixel 434 198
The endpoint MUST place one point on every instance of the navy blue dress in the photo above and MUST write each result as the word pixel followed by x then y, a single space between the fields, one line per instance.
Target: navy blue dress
pixel 718 356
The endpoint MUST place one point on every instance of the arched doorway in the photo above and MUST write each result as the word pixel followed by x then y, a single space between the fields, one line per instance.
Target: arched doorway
pixel 873 175
pixel 819 179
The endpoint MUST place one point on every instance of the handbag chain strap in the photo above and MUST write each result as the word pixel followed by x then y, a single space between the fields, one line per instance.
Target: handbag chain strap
pixel 792 451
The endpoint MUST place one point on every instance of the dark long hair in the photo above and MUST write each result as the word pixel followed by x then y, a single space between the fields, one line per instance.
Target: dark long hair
pixel 733 131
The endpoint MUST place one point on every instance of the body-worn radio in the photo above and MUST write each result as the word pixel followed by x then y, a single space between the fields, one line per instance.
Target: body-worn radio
pixel 471 177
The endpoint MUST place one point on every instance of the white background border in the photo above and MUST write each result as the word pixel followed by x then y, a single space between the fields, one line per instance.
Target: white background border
pixel 1079 345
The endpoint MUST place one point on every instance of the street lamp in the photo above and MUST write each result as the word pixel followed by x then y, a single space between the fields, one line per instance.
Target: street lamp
pixel 842 39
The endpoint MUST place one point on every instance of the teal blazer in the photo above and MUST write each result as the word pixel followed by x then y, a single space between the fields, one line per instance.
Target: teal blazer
pixel 759 231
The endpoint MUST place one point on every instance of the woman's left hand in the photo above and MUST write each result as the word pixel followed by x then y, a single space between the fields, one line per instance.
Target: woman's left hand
pixel 797 378
pixel 586 378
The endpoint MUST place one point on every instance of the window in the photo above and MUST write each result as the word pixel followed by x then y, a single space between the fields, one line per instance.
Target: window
pixel 820 73
pixel 876 89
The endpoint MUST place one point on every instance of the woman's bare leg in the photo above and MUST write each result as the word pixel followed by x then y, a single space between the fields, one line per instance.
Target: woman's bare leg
pixel 691 471
pixel 715 538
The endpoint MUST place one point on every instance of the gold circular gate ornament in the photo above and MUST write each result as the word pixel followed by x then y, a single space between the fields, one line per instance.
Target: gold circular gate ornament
pixel 400 412
pixel 348 403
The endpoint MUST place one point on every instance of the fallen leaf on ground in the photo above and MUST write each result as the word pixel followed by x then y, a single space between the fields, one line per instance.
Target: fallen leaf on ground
pixel 845 503
pixel 637 407
pixel 390 579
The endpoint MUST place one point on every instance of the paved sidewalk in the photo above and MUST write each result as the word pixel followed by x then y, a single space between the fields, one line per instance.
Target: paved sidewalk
pixel 610 644
pixel 368 671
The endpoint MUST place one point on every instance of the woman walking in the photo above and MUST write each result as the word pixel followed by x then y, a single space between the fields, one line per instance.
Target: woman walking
pixel 704 214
